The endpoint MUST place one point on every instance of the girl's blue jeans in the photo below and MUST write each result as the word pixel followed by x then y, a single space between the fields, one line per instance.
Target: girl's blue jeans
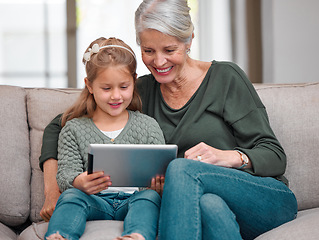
pixel 140 212
pixel 204 201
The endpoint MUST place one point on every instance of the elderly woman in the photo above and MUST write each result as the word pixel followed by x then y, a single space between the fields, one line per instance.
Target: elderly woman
pixel 228 181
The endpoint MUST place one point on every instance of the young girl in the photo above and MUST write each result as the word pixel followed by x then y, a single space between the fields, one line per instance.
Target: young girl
pixel 107 112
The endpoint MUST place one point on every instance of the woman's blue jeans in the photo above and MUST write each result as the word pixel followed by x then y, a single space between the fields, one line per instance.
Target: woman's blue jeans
pixel 140 212
pixel 204 201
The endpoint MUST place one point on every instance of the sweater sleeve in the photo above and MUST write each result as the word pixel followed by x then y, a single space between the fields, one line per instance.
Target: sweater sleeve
pixel 247 115
pixel 70 162
pixel 50 138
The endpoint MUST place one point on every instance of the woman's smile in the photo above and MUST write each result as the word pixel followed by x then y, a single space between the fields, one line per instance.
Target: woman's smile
pixel 164 71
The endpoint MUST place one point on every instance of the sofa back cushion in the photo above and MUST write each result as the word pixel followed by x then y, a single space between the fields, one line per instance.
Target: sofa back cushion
pixel 293 113
pixel 14 158
pixel 42 106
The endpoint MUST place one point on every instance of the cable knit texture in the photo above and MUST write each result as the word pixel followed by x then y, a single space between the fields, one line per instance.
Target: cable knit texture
pixel 78 133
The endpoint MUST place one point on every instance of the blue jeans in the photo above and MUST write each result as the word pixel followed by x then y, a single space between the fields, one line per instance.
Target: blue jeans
pixel 140 212
pixel 203 201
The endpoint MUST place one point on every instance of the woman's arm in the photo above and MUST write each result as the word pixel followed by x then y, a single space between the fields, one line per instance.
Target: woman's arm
pixel 49 148
pixel 239 122
pixel 224 158
pixel 51 188
pixel 49 165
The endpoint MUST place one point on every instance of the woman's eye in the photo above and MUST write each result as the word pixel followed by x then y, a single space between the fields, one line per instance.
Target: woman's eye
pixel 106 89
pixel 170 50
pixel 124 87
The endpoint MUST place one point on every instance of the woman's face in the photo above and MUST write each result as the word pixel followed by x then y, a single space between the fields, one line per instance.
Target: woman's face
pixel 112 90
pixel 165 56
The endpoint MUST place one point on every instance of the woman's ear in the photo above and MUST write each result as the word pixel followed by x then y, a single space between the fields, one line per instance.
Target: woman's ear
pixel 189 44
pixel 88 85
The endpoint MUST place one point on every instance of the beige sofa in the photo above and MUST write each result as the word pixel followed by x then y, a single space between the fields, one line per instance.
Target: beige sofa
pixel 294 115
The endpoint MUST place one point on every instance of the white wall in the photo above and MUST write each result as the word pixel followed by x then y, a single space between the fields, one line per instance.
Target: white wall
pixel 214 30
pixel 290 41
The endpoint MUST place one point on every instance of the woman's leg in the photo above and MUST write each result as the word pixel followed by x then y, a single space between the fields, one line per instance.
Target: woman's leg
pixel 143 214
pixel 259 203
pixel 73 209
pixel 214 225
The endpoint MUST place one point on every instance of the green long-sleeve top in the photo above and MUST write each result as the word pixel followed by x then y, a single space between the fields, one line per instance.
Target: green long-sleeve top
pixel 225 112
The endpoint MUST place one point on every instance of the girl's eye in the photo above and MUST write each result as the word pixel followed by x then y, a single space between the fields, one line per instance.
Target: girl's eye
pixel 124 87
pixel 106 89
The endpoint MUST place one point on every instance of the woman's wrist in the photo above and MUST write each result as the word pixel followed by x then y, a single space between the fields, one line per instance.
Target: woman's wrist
pixel 242 160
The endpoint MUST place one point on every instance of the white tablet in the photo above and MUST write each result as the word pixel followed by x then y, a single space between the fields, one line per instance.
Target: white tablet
pixel 131 165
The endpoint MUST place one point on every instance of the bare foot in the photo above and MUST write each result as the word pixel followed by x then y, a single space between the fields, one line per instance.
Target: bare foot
pixel 133 236
pixel 55 236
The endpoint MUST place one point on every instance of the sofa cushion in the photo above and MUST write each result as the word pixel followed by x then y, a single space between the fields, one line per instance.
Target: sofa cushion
pixel 97 230
pixel 42 106
pixel 14 157
pixel 294 112
pixel 304 227
pixel 6 233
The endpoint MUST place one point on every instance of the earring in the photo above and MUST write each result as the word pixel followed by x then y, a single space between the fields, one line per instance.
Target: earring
pixel 188 51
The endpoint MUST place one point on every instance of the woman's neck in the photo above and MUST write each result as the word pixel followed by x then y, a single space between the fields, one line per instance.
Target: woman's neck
pixel 178 92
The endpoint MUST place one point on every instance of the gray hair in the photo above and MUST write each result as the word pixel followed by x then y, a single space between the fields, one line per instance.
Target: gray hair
pixel 170 17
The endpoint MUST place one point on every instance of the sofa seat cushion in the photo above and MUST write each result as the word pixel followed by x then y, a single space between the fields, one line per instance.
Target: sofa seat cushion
pixel 6 233
pixel 97 230
pixel 304 227
pixel 15 165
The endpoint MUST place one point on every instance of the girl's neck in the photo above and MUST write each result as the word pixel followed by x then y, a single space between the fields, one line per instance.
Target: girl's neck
pixel 109 123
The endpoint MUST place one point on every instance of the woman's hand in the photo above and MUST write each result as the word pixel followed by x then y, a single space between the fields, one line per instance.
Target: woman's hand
pixel 157 184
pixel 205 153
pixel 51 199
pixel 92 183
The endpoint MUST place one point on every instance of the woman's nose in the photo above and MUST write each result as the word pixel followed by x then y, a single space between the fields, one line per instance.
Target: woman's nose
pixel 159 60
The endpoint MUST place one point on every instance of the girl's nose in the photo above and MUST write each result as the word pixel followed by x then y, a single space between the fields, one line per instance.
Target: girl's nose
pixel 116 94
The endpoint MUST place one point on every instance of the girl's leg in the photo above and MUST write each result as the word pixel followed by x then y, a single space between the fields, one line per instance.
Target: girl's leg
pixel 73 209
pixel 259 203
pixel 143 213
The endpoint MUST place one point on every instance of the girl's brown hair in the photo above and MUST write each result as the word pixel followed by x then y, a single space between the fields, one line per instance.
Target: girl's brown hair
pixel 104 58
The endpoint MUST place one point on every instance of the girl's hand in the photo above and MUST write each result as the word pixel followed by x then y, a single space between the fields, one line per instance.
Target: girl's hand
pixel 157 184
pixel 205 153
pixel 92 183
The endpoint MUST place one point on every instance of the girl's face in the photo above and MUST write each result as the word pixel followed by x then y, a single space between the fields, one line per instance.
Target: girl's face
pixel 112 90
pixel 165 56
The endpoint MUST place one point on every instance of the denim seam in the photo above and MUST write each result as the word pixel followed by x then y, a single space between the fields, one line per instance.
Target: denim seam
pixel 198 221
pixel 197 176
pixel 98 209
